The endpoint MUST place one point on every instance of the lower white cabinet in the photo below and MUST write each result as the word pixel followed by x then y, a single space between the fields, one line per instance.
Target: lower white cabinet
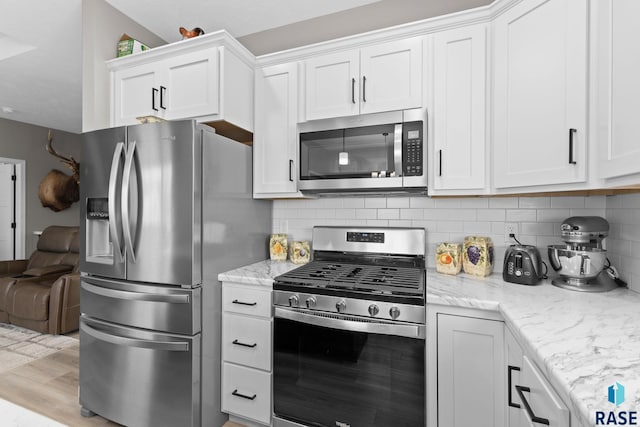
pixel 531 399
pixel 246 346
pixel 470 371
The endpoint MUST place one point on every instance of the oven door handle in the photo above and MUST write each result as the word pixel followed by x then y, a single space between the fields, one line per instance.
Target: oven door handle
pixel 343 323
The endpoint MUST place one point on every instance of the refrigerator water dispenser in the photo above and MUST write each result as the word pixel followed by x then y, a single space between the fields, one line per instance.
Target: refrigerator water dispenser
pixel 99 247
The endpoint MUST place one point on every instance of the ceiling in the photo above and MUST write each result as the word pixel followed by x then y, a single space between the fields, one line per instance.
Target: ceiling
pixel 41 42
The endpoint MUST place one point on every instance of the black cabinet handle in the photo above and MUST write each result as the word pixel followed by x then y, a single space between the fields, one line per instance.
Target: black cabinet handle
pixel 510 369
pixel 153 98
pixel 235 301
pixel 162 91
pixel 439 162
pixel 244 396
pixel 572 132
pixel 364 89
pixel 236 342
pixel 534 419
pixel 290 168
pixel 353 90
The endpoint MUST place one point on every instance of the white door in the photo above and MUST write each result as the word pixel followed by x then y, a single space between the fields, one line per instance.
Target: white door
pixel 391 76
pixel 470 372
pixel 190 85
pixel 459 85
pixel 136 93
pixel 7 206
pixel 619 88
pixel 275 160
pixel 333 85
pixel 540 134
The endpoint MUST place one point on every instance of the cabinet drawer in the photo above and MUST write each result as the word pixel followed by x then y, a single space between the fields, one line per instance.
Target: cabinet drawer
pixel 246 341
pixel 542 400
pixel 256 302
pixel 246 392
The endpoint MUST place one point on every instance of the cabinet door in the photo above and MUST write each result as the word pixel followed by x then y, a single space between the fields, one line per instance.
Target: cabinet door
pixel 619 88
pixel 540 93
pixel 459 84
pixel 333 85
pixel 470 372
pixel 513 354
pixel 540 398
pixel 391 76
pixel 275 167
pixel 135 94
pixel 189 86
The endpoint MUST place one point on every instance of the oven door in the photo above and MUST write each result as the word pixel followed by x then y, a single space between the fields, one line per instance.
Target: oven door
pixel 332 370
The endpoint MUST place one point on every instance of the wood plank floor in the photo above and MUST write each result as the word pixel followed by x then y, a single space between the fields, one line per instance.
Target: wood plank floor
pixel 49 386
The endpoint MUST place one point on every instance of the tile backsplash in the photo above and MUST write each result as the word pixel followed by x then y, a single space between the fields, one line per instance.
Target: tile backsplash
pixel 537 221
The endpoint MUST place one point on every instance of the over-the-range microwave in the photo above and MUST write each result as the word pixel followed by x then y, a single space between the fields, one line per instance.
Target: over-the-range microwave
pixel 373 153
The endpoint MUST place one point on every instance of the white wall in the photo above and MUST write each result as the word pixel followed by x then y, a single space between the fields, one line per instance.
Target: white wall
pixel 450 219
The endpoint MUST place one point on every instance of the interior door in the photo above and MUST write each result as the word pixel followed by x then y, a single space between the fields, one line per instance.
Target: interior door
pixel 7 203
pixel 162 203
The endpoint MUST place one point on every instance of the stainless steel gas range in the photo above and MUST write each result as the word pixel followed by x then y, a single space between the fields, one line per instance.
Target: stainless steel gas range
pixel 349 331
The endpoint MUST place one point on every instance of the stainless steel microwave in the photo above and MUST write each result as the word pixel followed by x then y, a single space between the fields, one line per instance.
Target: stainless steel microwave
pixel 383 152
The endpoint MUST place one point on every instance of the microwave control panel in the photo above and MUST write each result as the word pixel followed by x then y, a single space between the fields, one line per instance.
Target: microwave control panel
pixel 412 149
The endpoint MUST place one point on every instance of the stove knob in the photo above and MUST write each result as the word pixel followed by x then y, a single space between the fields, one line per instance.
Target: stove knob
pixel 373 310
pixel 293 301
pixel 311 302
pixel 394 312
pixel 341 306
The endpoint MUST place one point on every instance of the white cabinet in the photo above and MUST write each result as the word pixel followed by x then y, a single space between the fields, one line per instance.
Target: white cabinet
pixel 533 400
pixel 618 87
pixel 381 77
pixel 209 79
pixel 246 352
pixel 470 372
pixel 459 110
pixel 540 93
pixel 275 147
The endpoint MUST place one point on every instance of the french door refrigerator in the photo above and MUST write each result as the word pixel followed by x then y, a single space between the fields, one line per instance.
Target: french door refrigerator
pixel 165 208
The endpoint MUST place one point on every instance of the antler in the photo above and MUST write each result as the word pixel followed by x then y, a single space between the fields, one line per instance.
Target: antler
pixel 69 162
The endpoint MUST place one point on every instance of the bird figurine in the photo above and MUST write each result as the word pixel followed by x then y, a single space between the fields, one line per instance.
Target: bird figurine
pixel 187 34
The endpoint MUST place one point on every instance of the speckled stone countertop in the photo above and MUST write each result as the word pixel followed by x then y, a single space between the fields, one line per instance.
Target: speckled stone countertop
pixel 583 342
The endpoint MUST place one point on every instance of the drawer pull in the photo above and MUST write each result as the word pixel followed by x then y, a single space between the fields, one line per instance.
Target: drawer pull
pixel 510 370
pixel 534 419
pixel 236 342
pixel 235 301
pixel 244 396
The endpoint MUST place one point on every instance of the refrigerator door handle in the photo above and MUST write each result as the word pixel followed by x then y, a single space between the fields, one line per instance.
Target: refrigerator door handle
pixel 135 296
pixel 133 342
pixel 113 226
pixel 126 182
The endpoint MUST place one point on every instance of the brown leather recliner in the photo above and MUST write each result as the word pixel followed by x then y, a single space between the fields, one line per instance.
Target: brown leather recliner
pixel 45 295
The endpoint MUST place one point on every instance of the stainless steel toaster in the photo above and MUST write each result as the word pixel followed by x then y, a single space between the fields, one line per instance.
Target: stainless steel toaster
pixel 522 264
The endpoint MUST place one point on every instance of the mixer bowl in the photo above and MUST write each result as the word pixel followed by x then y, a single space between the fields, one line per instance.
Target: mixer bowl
pixel 574 264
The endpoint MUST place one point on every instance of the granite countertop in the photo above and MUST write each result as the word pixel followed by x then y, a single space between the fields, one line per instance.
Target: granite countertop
pixel 583 342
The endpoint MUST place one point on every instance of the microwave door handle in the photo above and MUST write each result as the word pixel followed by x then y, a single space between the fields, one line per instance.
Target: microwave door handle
pixel 113 217
pixel 126 182
pixel 397 149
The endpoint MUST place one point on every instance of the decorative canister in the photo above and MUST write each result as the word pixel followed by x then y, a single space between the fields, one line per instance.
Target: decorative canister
pixel 299 252
pixel 449 258
pixel 477 257
pixel 278 247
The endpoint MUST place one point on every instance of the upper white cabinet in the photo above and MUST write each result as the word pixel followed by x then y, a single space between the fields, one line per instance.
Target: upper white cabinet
pixel 209 78
pixel 619 87
pixel 459 110
pixel 381 77
pixel 275 147
pixel 540 94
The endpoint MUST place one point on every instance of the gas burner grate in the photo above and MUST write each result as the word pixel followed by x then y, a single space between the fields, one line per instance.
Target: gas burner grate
pixel 358 277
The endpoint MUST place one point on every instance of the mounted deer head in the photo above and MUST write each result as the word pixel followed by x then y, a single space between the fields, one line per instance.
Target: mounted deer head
pixel 57 191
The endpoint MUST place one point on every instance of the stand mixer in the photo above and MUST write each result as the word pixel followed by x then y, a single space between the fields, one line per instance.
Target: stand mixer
pixel 582 263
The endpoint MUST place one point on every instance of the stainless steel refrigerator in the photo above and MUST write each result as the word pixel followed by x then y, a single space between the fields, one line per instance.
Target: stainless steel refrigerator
pixel 165 208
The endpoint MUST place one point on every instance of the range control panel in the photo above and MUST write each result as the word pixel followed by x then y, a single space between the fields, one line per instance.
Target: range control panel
pixel 365 237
